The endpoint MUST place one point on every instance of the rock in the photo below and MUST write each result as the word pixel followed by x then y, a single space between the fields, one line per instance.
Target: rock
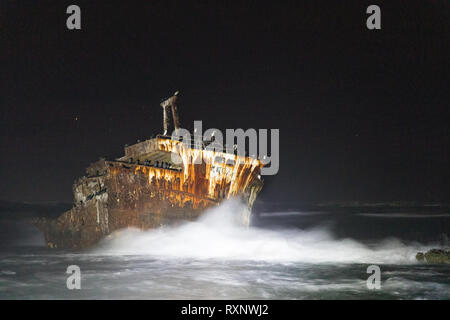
pixel 434 256
pixel 420 257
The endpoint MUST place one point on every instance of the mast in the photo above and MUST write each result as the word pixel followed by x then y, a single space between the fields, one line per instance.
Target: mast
pixel 170 102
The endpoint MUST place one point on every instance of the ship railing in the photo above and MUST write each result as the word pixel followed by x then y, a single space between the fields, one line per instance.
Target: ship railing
pixel 148 163
pixel 194 143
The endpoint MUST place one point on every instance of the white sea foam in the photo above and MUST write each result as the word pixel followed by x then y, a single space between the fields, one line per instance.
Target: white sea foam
pixel 216 235
pixel 7 273
pixel 292 213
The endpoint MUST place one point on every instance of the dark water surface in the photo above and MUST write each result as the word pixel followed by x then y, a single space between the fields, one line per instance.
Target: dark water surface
pixel 284 255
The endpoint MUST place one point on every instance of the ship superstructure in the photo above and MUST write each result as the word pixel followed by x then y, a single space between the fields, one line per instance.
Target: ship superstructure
pixel 158 182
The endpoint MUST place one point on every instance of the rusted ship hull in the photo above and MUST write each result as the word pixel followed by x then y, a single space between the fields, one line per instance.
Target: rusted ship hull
pixel 146 189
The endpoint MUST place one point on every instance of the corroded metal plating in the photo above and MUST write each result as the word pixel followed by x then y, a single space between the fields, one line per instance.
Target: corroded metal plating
pixel 128 193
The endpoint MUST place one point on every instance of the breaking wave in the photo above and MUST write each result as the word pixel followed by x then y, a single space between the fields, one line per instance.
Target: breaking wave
pixel 217 235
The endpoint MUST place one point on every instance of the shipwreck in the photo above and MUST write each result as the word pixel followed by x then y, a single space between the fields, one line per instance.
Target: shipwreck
pixel 146 188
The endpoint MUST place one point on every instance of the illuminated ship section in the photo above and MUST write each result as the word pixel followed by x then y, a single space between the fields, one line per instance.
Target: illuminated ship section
pixel 211 174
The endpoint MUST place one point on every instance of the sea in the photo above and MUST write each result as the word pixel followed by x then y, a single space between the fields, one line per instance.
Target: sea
pixel 284 254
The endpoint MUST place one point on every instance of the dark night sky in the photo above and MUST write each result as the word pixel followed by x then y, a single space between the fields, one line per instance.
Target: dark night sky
pixel 363 115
